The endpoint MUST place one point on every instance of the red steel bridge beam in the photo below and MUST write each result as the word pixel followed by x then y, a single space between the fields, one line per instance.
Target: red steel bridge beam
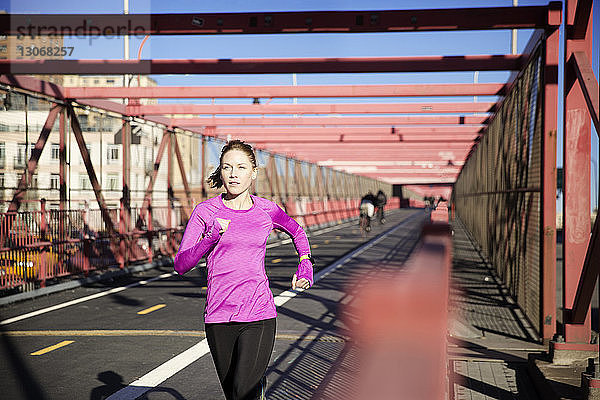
pixel 408 174
pixel 340 156
pixel 197 92
pixel 276 22
pixel 377 147
pixel 328 130
pixel 266 66
pixel 407 164
pixel 459 121
pixel 353 108
pixel 299 140
pixel 417 180
pixel 32 163
pixel 578 271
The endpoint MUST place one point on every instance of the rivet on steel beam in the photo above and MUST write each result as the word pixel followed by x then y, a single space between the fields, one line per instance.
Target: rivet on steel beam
pixel 197 21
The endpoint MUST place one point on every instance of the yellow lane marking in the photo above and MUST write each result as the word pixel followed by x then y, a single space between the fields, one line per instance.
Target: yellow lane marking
pixel 327 241
pixel 315 246
pixel 277 260
pixel 52 348
pixel 155 332
pixel 338 237
pixel 153 308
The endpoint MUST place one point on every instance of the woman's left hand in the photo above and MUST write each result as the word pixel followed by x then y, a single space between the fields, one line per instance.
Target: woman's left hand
pixel 299 283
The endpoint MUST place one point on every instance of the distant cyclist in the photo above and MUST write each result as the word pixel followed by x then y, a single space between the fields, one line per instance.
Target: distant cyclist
pixel 380 204
pixel 367 209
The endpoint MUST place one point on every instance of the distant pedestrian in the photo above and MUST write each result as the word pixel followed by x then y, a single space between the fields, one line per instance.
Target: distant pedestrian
pixel 231 230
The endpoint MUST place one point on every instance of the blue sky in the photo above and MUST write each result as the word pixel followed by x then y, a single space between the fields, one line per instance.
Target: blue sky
pixel 306 45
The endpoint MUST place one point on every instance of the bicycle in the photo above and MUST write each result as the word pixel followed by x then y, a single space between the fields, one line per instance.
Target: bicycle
pixel 365 224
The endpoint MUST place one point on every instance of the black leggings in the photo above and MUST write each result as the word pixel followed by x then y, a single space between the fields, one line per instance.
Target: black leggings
pixel 241 352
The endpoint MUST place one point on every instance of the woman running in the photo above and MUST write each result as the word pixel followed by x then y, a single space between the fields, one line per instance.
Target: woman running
pixel 231 230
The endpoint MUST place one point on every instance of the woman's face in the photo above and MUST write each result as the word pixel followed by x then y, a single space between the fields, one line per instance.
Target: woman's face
pixel 237 172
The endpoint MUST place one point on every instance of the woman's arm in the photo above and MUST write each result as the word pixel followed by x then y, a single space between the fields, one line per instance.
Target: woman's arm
pixel 287 224
pixel 197 241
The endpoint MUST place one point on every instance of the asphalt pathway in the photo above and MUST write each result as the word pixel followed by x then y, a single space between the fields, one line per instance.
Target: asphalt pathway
pixel 93 342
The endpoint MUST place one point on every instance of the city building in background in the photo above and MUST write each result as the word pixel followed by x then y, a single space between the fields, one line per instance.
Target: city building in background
pixel 22 119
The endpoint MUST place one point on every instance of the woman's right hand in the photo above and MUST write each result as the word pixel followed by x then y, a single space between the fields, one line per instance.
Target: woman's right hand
pixel 214 233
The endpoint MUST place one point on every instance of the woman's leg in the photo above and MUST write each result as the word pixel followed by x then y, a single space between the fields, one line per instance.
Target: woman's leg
pixel 253 352
pixel 222 340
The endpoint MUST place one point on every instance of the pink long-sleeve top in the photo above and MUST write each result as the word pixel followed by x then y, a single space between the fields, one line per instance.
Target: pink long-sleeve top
pixel 238 287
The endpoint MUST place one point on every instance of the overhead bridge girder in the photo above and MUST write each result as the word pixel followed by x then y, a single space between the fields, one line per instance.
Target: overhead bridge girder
pixel 316 91
pixel 291 109
pixel 501 62
pixel 528 17
pixel 334 120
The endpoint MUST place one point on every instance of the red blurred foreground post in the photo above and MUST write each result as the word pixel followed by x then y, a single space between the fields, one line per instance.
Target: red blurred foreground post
pixel 401 325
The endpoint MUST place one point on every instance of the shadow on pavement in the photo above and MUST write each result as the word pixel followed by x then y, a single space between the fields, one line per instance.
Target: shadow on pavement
pixel 14 362
pixel 113 382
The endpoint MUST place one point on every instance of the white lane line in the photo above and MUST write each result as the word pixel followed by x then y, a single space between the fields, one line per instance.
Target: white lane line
pixel 161 373
pixel 82 299
pixel 179 362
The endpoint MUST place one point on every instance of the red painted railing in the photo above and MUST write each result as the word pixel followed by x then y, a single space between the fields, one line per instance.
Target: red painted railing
pixel 45 245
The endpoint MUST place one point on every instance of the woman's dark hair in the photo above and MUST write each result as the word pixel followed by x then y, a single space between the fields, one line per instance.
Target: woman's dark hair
pixel 214 179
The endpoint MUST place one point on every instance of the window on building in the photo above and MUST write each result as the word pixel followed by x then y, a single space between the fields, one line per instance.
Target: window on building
pixel 110 81
pixel 112 155
pixel 55 151
pixel 112 181
pixel 21 156
pixel 96 81
pixel 2 180
pixel 54 181
pixel 2 155
pixel 89 149
pixel 84 182
pixel 33 181
pixel 3 48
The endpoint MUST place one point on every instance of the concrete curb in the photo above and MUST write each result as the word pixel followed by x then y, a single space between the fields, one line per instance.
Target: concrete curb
pixel 162 262
pixel 555 382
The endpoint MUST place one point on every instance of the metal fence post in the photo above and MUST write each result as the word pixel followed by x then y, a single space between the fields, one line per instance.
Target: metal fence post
pixel 42 238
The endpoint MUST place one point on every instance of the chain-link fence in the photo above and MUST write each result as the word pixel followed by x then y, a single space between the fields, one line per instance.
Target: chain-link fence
pixel 498 192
